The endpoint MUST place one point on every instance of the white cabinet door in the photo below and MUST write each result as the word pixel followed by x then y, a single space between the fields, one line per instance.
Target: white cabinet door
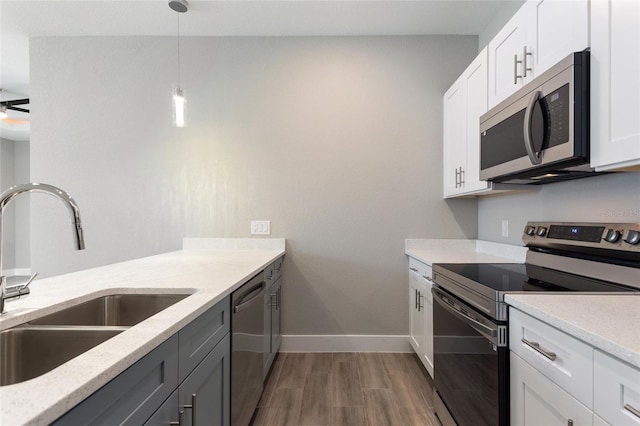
pixel 416 316
pixel 555 28
pixel 508 44
pixel 475 102
pixel 615 84
pixel 427 313
pixel 536 400
pixel 616 390
pixel 454 149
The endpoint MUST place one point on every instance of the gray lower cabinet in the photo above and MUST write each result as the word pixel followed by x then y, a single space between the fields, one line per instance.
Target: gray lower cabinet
pixel 203 396
pixel 272 314
pixel 194 361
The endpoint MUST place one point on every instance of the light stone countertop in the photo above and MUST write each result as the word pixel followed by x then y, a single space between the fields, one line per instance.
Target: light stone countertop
pixel 607 322
pixel 432 251
pixel 211 272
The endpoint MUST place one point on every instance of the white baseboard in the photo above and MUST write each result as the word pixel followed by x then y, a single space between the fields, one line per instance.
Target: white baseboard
pixel 345 343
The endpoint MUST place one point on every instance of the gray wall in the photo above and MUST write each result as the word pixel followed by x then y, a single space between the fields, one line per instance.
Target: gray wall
pixel 497 22
pixel 14 169
pixel 607 198
pixel 336 140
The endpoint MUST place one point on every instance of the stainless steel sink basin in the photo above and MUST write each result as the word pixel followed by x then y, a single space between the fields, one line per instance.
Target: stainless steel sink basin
pixel 114 310
pixel 27 352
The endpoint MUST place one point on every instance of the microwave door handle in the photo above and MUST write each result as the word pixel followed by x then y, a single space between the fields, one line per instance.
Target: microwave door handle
pixel 535 157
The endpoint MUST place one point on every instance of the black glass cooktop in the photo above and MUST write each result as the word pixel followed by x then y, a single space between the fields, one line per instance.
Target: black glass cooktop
pixel 510 277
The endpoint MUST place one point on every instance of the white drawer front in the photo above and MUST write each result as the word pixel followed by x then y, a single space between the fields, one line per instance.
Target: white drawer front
pixel 422 269
pixel 562 358
pixel 616 390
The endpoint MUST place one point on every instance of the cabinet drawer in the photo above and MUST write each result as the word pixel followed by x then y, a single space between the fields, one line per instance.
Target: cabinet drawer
pixel 423 270
pixel 133 396
pixel 199 337
pixel 616 390
pixel 562 358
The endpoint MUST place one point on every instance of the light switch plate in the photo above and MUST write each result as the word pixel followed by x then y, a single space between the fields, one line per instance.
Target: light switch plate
pixel 260 227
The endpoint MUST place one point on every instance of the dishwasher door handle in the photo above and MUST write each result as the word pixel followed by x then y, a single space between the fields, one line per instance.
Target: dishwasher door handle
pixel 242 303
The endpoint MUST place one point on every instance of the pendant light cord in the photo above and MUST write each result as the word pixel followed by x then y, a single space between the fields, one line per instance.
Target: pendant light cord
pixel 179 77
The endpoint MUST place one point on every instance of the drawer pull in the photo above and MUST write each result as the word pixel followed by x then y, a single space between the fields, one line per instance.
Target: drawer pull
pixel 413 269
pixel 428 278
pixel 536 347
pixel 632 410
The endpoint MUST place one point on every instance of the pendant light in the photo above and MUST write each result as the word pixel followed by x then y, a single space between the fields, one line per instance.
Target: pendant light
pixel 179 100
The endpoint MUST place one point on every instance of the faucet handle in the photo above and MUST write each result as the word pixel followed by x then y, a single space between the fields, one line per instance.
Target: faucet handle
pixel 20 289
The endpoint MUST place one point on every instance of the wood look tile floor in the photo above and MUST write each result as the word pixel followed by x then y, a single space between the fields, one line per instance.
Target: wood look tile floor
pixel 351 389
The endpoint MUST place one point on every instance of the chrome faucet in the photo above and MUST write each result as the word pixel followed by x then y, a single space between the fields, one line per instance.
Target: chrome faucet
pixel 5 198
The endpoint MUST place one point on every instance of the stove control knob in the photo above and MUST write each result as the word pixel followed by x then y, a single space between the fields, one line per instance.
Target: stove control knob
pixel 530 230
pixel 612 236
pixel 542 231
pixel 633 237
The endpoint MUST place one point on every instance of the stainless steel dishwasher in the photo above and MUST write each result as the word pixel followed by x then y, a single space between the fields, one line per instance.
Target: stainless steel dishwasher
pixel 247 349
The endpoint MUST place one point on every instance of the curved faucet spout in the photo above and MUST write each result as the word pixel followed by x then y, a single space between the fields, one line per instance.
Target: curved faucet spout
pixel 10 194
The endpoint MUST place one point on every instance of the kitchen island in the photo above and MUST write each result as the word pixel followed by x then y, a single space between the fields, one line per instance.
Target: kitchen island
pixel 208 270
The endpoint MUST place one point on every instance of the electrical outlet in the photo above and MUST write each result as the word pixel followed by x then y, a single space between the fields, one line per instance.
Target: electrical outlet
pixel 260 227
pixel 505 228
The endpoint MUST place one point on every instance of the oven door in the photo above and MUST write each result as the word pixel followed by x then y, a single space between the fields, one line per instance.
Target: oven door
pixel 471 362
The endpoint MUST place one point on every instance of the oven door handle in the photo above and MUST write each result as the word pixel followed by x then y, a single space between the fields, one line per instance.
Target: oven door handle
pixel 446 302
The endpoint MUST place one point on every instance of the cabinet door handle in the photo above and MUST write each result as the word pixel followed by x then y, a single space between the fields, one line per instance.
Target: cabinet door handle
pixel 536 347
pixel 461 176
pixel 180 421
pixel 633 410
pixel 515 69
pixel 416 298
pixel 192 407
pixel 413 269
pixel 457 177
pixel 525 68
pixel 419 300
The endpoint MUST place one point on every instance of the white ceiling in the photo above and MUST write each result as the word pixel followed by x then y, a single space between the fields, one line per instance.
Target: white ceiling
pixel 22 19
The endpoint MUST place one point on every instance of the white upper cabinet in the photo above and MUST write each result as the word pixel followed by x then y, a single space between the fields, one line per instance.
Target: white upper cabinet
pixel 464 103
pixel 538 36
pixel 615 85
pixel 505 58
pixel 555 28
pixel 454 149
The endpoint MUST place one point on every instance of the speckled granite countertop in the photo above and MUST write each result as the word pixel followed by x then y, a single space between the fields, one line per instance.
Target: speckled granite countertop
pixel 432 251
pixel 210 269
pixel 607 322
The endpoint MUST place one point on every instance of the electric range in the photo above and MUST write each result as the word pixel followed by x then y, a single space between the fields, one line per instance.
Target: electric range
pixel 471 377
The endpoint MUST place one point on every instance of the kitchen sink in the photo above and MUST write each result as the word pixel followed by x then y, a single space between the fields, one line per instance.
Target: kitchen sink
pixel 27 352
pixel 114 310
pixel 42 344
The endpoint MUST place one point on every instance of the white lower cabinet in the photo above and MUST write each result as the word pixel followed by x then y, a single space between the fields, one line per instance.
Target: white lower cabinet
pixel 616 396
pixel 556 379
pixel 421 312
pixel 536 400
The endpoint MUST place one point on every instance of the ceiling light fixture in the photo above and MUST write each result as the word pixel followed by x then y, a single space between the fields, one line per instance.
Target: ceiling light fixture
pixel 179 100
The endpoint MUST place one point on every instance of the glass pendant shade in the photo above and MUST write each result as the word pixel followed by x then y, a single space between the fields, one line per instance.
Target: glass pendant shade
pixel 179 107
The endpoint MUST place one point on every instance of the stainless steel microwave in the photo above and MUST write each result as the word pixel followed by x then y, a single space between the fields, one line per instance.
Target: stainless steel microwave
pixel 540 134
